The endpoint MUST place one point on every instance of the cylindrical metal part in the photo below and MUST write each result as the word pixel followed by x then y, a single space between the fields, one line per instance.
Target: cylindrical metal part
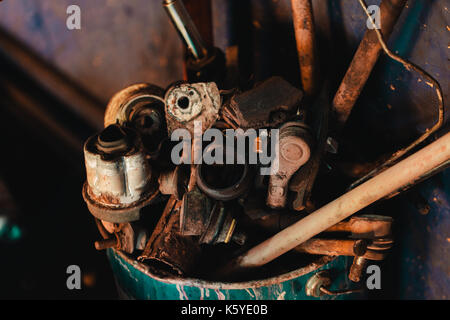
pixel 397 176
pixel 333 247
pixel 302 16
pixel 357 268
pixel 364 60
pixel 186 28
pixel 118 175
pixel 106 243
pixel 175 182
pixel 117 178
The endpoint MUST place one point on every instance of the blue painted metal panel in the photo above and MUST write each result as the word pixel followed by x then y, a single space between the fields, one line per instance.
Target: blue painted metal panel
pixel 136 284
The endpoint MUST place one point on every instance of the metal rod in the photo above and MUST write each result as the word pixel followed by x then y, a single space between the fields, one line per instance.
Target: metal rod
pixel 363 62
pixel 106 243
pixel 428 132
pixel 397 176
pixel 303 19
pixel 186 28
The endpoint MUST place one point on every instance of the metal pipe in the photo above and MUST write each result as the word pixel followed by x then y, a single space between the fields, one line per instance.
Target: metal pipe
pixel 394 178
pixel 303 19
pixel 186 28
pixel 363 62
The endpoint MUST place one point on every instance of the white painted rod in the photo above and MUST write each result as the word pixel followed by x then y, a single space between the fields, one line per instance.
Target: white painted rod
pixel 400 175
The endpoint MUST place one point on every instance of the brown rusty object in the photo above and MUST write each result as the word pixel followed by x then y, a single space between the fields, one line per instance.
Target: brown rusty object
pixel 267 105
pixel 126 237
pixel 175 182
pixel 195 212
pixel 187 104
pixel 338 247
pixel 303 180
pixel 107 243
pixel 363 61
pixel 365 226
pixel 221 227
pixel 357 268
pixel 377 246
pixel 365 194
pixel 179 254
pixel 302 16
pixel 294 151
pixel 119 179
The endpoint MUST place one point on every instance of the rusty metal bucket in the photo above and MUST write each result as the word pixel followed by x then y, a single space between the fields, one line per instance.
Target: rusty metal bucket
pixel 136 280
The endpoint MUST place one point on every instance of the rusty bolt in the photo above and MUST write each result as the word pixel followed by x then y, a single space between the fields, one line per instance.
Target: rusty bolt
pixel 107 243
pixel 357 268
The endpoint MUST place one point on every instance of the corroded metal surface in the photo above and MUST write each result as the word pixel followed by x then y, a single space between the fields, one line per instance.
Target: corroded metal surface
pixel 196 282
pixel 372 190
pixel 186 103
pixel 167 247
pixel 269 104
pixel 303 20
pixel 364 60
pixel 294 150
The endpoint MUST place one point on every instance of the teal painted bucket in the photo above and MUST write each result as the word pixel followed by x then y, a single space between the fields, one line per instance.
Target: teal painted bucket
pixel 136 280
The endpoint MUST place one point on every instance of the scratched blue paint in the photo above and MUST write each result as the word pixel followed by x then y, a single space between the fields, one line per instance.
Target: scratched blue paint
pixel 138 285
pixel 425 243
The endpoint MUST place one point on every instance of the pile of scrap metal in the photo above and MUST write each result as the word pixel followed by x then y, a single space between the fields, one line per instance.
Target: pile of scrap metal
pixel 232 207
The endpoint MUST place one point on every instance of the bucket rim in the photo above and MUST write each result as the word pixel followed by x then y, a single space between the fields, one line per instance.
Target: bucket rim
pixel 208 284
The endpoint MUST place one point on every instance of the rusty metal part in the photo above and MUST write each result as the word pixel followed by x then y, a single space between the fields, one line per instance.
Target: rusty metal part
pixel 428 132
pixel 128 102
pixel 339 247
pixel 166 247
pixel 317 284
pixel 293 151
pixel 126 237
pixel 141 107
pixel 212 68
pixel 357 268
pixel 186 103
pixel 303 19
pixel 365 226
pixel 363 61
pixel 209 220
pixel 377 246
pixel 175 182
pixel 107 243
pixel 118 175
pixel 318 280
pixel 229 192
pixel 303 180
pixel 269 104
pixel 195 212
pixel 372 190
pixel 221 227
